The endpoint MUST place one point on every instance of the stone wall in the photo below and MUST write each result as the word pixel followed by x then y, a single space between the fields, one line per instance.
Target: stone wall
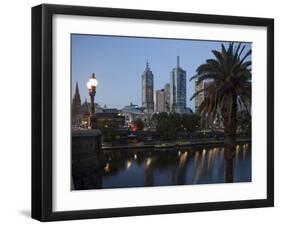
pixel 87 159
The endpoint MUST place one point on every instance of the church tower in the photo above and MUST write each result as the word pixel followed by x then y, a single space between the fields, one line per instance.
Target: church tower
pixel 76 106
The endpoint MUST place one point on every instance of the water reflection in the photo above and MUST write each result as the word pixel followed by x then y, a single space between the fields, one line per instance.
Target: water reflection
pixel 151 167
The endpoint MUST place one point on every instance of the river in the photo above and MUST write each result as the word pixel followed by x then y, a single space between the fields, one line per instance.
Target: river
pixel 152 167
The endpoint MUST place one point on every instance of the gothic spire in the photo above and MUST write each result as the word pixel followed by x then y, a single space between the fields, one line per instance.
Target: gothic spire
pixel 76 97
pixel 77 89
pixel 76 106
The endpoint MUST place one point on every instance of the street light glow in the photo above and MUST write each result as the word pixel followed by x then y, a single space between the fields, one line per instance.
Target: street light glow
pixel 93 82
pixel 91 85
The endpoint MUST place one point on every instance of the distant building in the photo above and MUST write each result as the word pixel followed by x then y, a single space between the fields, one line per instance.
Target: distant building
pixel 131 106
pixel 160 100
pixel 85 107
pixel 98 108
pixel 83 120
pixel 110 110
pixel 131 113
pixel 80 112
pixel 147 90
pixel 167 96
pixel 201 96
pixel 76 107
pixel 178 89
pixel 115 118
pixel 188 111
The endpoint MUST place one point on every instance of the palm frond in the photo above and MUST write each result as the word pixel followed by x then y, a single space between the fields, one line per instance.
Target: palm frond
pixel 208 76
pixel 218 55
pixel 229 82
pixel 198 92
pixel 246 55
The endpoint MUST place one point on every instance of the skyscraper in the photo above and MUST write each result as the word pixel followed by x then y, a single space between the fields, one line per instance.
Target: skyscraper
pixel 167 96
pixel 178 89
pixel 160 100
pixel 147 90
pixel 200 96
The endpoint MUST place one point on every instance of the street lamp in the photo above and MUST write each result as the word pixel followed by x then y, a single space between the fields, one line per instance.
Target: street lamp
pixel 91 85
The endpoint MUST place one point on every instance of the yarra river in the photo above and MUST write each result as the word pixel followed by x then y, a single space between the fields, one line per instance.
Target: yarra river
pixel 160 167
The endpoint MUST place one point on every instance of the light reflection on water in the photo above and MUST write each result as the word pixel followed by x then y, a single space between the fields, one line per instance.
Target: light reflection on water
pixel 148 167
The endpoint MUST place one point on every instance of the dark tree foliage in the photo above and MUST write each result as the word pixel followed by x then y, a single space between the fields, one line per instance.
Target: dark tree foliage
pixel 168 124
pixel 228 76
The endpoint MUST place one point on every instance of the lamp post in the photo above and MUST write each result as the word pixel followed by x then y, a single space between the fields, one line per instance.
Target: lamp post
pixel 91 85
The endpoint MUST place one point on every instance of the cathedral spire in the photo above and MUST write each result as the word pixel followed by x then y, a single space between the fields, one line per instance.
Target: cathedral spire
pixel 77 89
pixel 76 97
pixel 76 107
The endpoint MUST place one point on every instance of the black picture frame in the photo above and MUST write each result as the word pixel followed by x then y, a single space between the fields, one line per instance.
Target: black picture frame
pixel 42 111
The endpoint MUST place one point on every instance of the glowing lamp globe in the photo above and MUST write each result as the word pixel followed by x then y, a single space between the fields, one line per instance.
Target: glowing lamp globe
pixel 93 82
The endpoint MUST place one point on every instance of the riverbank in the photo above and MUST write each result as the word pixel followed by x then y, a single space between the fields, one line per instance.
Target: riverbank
pixel 176 144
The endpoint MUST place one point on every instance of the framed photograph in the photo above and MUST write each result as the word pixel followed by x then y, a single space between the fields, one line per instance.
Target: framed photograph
pixel 145 112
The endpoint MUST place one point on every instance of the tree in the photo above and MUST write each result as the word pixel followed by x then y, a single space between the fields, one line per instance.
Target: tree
pixel 244 123
pixel 228 78
pixel 191 122
pixel 166 125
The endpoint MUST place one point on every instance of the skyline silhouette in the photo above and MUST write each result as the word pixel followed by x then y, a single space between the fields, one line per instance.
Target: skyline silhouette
pixel 118 63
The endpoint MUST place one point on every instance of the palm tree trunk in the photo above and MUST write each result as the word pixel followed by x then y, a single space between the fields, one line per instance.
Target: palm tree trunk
pixel 229 170
pixel 230 140
pixel 230 127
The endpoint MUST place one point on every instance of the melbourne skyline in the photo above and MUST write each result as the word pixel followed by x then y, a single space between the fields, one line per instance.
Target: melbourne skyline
pixel 119 62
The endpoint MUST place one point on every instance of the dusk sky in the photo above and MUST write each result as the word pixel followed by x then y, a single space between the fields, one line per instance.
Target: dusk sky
pixel 119 62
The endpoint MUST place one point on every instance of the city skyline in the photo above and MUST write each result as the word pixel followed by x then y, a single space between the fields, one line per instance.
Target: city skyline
pixel 147 89
pixel 122 74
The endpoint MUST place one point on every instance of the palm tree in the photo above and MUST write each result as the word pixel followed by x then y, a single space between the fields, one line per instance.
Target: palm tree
pixel 227 79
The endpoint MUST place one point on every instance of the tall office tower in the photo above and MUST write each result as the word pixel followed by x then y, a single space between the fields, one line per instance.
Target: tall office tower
pixel 178 89
pixel 167 96
pixel 201 96
pixel 147 90
pixel 160 100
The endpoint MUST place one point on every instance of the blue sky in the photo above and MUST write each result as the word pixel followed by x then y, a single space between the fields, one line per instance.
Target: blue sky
pixel 119 62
